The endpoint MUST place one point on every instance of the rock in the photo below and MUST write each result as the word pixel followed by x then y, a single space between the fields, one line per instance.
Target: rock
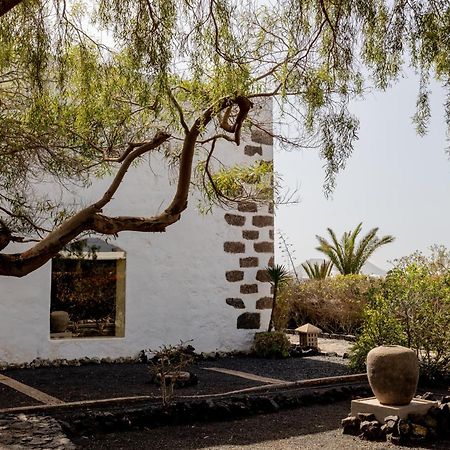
pixel 368 417
pixel 396 440
pixel 403 428
pixel 390 424
pixel 371 430
pixel 419 431
pixel 351 425
pixel 445 399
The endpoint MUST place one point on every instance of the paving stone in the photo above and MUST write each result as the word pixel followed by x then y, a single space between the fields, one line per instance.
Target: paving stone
pixel 33 432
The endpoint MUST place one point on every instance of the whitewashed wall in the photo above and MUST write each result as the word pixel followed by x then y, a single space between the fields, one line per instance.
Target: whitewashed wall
pixel 176 288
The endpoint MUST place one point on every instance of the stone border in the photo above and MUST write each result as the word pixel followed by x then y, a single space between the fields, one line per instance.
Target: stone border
pixel 412 430
pixel 208 410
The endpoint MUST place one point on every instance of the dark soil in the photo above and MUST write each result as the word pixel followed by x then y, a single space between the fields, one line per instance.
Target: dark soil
pixel 100 381
pixel 289 369
pixel 248 431
pixel 307 428
pixel 10 397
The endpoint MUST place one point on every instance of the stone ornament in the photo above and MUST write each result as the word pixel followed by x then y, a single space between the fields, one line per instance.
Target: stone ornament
pixel 393 373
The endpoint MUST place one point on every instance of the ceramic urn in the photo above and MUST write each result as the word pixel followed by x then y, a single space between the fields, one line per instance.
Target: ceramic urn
pixel 393 373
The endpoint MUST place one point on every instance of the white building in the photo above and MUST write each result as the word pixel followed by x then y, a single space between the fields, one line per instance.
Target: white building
pixel 203 280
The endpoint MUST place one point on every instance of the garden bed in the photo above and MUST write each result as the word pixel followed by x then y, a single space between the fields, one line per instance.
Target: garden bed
pixel 105 381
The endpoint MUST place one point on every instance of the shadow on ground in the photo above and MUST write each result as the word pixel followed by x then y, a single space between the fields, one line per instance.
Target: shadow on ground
pixel 249 431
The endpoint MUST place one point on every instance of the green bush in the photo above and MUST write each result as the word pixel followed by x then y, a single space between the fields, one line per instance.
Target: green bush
pixel 333 304
pixel 273 344
pixel 411 308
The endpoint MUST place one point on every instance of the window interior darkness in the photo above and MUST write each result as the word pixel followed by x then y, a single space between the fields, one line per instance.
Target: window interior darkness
pixel 91 291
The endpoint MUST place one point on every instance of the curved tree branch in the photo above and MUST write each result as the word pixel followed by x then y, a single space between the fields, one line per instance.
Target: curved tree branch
pixel 91 218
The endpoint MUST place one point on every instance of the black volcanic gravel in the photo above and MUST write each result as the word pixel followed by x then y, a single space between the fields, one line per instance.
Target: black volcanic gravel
pixel 10 398
pixel 90 382
pixel 289 369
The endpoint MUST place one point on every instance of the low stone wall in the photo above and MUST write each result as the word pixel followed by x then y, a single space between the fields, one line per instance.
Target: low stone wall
pixel 194 411
pixel 414 429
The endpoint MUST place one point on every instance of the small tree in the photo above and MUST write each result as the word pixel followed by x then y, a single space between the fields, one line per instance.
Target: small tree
pixel 278 274
pixel 346 254
pixel 318 271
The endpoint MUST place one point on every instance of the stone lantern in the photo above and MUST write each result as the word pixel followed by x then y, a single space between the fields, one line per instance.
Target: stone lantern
pixel 308 335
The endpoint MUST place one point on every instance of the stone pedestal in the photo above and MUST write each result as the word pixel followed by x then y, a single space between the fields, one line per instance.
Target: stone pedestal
pixel 372 405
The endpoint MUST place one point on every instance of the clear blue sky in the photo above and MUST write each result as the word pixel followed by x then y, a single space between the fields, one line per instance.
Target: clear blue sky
pixel 395 180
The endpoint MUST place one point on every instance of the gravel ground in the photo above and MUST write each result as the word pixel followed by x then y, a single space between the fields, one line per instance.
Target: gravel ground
pixel 289 369
pixel 314 427
pixel 113 380
pixel 91 382
pixel 10 397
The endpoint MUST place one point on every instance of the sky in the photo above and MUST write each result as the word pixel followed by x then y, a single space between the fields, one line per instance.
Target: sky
pixel 395 180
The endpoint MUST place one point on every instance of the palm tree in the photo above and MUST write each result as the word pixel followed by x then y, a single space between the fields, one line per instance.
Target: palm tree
pixel 318 271
pixel 277 274
pixel 346 255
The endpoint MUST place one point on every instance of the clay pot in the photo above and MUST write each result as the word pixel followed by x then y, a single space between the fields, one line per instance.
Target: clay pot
pixel 393 373
pixel 59 321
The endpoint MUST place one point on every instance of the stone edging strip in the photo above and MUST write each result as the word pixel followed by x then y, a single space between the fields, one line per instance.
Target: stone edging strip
pixel 246 375
pixel 315 382
pixel 30 391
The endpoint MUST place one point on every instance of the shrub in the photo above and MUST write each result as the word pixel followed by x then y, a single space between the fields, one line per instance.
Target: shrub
pixel 411 308
pixel 273 344
pixel 334 304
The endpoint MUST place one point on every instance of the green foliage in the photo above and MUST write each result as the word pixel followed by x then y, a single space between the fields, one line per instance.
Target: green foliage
pixel 238 183
pixel 278 275
pixel 273 344
pixel 412 308
pixel 380 327
pixel 318 271
pixel 437 263
pixel 81 80
pixel 346 255
pixel 333 304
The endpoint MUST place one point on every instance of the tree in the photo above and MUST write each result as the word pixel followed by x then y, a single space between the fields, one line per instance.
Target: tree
pixel 278 275
pixel 318 271
pixel 346 254
pixel 437 263
pixel 177 76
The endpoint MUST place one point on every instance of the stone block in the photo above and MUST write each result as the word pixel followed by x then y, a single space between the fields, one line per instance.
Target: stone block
pixel 235 303
pixel 271 262
pixel 264 303
pixel 262 276
pixel 372 405
pixel 249 288
pixel 251 261
pixel 234 275
pixel 350 425
pixel 247 207
pixel 261 137
pixel 234 247
pixel 263 247
pixel 252 150
pixel 250 234
pixel 271 234
pixel 234 219
pixel 262 221
pixel 249 321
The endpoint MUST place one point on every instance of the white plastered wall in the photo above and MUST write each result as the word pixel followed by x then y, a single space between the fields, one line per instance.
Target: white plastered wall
pixel 175 281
